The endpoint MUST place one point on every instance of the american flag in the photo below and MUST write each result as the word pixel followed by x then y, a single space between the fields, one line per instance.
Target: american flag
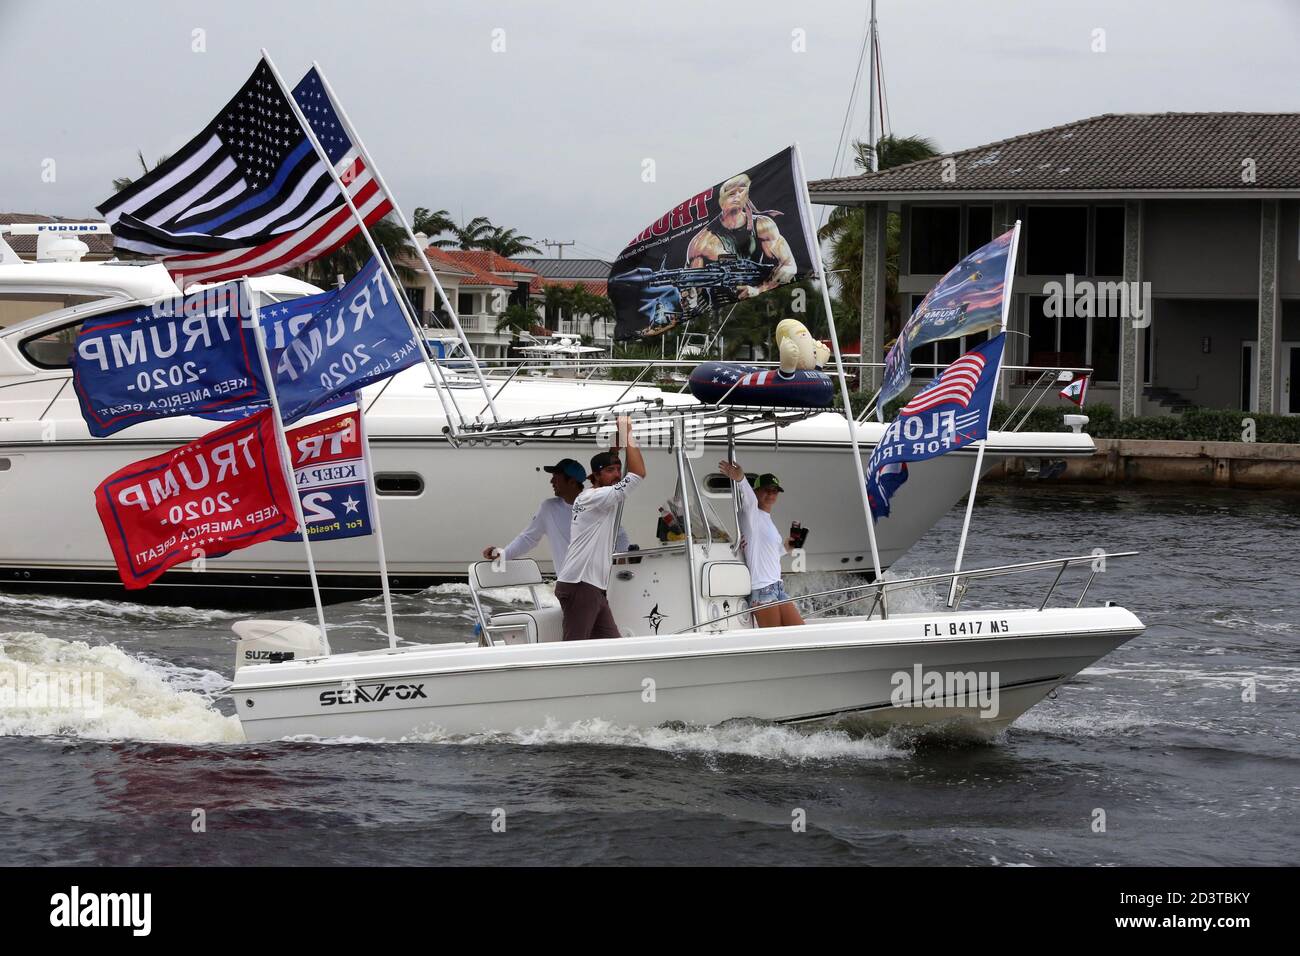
pixel 956 384
pixel 249 195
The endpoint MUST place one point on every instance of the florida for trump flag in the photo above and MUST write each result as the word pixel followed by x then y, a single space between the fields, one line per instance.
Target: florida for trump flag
pixel 249 195
pixel 970 298
pixel 949 413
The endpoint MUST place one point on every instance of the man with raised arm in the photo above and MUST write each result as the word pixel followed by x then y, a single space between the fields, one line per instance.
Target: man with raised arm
pixel 554 518
pixel 583 578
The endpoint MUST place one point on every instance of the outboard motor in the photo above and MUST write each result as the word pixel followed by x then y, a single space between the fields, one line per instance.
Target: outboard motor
pixel 272 642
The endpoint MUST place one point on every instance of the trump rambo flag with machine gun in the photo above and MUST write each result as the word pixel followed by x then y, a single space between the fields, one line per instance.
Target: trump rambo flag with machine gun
pixel 735 240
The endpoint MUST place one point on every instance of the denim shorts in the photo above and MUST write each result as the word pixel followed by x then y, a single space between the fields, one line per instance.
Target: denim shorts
pixel 769 594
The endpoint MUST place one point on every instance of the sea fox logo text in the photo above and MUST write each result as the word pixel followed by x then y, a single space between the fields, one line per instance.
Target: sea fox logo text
pixel 372 694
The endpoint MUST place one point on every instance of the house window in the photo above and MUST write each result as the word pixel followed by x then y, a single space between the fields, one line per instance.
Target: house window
pixel 465 303
pixel 933 246
pixel 415 296
pixel 1108 242
pixel 1104 357
pixel 1056 240
pixel 1079 341
pixel 979 227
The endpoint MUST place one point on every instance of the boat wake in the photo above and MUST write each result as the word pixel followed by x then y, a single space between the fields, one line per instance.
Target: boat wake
pixel 52 687
pixel 745 738
pixel 59 608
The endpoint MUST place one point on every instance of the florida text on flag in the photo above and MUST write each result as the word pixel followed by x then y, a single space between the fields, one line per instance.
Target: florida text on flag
pixel 222 492
pixel 330 472
pixel 184 356
pixel 949 413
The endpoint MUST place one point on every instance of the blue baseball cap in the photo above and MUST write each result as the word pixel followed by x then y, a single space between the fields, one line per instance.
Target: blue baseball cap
pixel 567 467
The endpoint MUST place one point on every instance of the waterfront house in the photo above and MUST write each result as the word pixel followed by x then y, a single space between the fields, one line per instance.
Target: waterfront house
pixel 1200 210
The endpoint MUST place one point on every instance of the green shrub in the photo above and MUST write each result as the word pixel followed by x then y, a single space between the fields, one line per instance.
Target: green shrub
pixel 1196 424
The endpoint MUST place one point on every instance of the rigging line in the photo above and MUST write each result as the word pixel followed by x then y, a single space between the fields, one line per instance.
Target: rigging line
pixel 848 111
pixel 884 97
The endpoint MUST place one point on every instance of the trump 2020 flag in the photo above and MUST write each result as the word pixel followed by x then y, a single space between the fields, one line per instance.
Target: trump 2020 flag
pixel 949 413
pixel 970 298
pixel 735 240
pixel 330 473
pixel 249 195
pixel 223 492
pixel 320 347
pixel 182 356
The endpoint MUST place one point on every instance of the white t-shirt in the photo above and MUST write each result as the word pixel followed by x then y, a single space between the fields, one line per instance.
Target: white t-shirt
pixel 553 521
pixel 763 544
pixel 591 537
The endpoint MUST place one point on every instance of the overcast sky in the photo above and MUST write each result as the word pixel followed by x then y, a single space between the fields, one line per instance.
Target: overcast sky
pixel 549 135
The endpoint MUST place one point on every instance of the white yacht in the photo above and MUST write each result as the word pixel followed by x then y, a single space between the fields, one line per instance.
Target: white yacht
pixel 440 505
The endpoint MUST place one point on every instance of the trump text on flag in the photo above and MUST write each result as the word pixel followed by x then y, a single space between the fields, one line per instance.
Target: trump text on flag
pixel 220 493
pixel 184 356
pixel 330 474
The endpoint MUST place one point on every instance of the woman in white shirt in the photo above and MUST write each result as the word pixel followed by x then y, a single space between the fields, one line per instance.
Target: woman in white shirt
pixel 763 546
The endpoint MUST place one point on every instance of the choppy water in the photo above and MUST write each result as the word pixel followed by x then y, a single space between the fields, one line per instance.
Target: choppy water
pixel 1157 735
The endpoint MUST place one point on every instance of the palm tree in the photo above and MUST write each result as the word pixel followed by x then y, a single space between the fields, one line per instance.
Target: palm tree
pixel 121 182
pixel 507 242
pixel 348 259
pixel 432 224
pixel 843 228
pixel 468 236
pixel 517 318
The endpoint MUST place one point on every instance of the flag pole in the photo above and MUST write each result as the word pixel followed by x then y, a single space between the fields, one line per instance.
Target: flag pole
pixel 1008 284
pixel 410 233
pixel 372 496
pixel 361 222
pixel 372 502
pixel 849 417
pixel 285 454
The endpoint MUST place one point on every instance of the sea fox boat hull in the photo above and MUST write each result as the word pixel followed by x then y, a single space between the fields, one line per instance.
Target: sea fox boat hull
pixel 976 671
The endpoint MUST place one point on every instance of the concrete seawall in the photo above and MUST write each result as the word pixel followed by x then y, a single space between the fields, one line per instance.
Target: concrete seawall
pixel 1223 463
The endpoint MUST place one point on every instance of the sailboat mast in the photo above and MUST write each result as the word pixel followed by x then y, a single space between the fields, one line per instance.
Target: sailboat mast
pixel 871 90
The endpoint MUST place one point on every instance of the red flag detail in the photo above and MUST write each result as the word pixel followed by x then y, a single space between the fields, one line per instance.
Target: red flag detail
pixel 223 492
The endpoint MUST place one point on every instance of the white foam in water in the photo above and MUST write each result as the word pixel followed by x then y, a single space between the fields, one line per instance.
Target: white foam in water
pixel 52 687
pixel 507 595
pixel 915 600
pixel 1078 722
pixel 743 738
pixel 50 605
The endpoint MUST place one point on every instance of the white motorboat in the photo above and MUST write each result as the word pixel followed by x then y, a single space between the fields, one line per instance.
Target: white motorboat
pixel 690 654
pixel 434 526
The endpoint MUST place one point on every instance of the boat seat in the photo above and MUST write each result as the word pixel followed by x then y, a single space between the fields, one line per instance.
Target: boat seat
pixel 533 625
pixel 725 579
pixel 519 573
pixel 542 625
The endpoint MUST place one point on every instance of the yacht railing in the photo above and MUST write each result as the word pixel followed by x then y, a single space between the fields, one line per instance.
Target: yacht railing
pixel 505 370
pixel 876 590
